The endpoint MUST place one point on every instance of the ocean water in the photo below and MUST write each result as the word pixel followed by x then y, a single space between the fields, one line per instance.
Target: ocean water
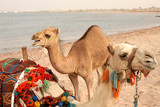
pixel 16 29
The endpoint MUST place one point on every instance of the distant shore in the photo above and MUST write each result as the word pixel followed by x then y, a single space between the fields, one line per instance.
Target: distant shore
pixel 134 10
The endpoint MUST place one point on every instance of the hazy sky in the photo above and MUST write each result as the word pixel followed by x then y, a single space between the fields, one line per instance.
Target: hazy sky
pixel 74 4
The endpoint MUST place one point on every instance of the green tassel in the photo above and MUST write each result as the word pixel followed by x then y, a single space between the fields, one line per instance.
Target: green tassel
pixel 128 80
pixel 27 70
pixel 46 85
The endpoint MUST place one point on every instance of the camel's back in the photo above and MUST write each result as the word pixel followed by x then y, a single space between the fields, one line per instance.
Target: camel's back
pixel 92 44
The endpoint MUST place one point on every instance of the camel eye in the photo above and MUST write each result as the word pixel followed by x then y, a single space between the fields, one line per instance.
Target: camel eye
pixel 123 56
pixel 47 36
pixel 148 61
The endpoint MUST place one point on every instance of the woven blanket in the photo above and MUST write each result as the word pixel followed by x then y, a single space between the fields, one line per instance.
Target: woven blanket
pixel 10 70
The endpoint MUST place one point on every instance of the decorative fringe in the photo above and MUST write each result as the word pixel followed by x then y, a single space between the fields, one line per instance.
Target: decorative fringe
pixel 132 79
pixel 105 76
pixel 116 84
pixel 46 85
pixel 116 90
pixel 147 74
pixel 31 85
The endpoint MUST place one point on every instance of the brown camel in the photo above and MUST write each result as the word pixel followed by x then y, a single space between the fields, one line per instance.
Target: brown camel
pixel 87 54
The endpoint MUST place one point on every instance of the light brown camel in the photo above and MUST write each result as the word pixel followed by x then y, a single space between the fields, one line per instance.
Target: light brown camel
pixel 125 59
pixel 87 54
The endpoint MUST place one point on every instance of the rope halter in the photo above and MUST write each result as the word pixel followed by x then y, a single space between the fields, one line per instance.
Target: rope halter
pixel 130 60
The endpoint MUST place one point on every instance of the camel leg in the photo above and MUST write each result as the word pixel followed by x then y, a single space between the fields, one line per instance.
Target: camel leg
pixel 89 83
pixel 74 79
pixel 99 77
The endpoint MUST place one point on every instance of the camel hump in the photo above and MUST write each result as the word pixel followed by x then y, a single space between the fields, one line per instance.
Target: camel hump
pixel 91 31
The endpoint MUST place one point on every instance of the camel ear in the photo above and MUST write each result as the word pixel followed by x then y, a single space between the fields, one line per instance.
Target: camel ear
pixel 111 49
pixel 58 30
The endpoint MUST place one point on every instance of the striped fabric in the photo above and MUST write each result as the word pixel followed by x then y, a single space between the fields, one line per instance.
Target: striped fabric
pixel 10 70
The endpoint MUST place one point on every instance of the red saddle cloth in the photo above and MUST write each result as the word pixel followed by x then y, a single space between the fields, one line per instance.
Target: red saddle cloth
pixel 10 70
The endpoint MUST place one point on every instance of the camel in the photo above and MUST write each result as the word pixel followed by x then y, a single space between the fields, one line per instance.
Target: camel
pixel 125 59
pixel 87 54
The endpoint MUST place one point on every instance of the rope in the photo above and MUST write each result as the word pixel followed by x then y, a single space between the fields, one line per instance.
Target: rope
pixel 33 58
pixel 42 48
pixel 136 96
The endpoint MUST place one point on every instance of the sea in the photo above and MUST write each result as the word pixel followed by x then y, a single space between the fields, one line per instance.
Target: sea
pixel 16 29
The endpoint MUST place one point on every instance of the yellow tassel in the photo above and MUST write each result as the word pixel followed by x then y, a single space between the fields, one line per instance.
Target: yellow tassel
pixel 119 86
pixel 64 98
pixel 37 104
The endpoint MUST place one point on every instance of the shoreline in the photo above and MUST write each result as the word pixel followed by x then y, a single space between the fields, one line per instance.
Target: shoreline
pixel 110 36
pixel 134 10
pixel 147 38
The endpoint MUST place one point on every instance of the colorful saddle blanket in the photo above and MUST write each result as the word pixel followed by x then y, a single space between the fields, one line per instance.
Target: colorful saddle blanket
pixel 37 88
pixel 10 70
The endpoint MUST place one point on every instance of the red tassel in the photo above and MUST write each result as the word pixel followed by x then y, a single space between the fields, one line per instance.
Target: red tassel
pixel 132 79
pixel 105 76
pixel 116 91
pixel 147 74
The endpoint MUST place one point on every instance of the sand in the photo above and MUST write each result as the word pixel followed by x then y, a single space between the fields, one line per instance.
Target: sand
pixel 148 88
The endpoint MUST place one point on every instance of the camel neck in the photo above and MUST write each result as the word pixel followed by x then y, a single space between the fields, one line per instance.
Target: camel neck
pixel 59 62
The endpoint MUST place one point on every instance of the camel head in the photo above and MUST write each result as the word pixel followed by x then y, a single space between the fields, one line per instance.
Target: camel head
pixel 45 37
pixel 127 58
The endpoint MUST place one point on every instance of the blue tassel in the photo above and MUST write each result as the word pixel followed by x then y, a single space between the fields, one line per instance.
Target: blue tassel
pixel 50 71
pixel 35 98
pixel 73 97
pixel 72 105
pixel 60 104
pixel 66 94
pixel 16 93
pixel 114 79
pixel 115 84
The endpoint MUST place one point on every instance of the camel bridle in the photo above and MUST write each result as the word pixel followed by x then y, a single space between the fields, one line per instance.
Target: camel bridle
pixel 130 60
pixel 47 39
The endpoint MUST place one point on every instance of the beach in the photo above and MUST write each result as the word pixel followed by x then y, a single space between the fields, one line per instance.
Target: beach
pixel 148 88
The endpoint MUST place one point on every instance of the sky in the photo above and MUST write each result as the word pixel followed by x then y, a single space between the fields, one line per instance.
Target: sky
pixel 34 5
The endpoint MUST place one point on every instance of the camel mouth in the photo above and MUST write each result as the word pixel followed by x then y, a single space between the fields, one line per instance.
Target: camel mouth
pixel 147 67
pixel 36 42
pixel 147 70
